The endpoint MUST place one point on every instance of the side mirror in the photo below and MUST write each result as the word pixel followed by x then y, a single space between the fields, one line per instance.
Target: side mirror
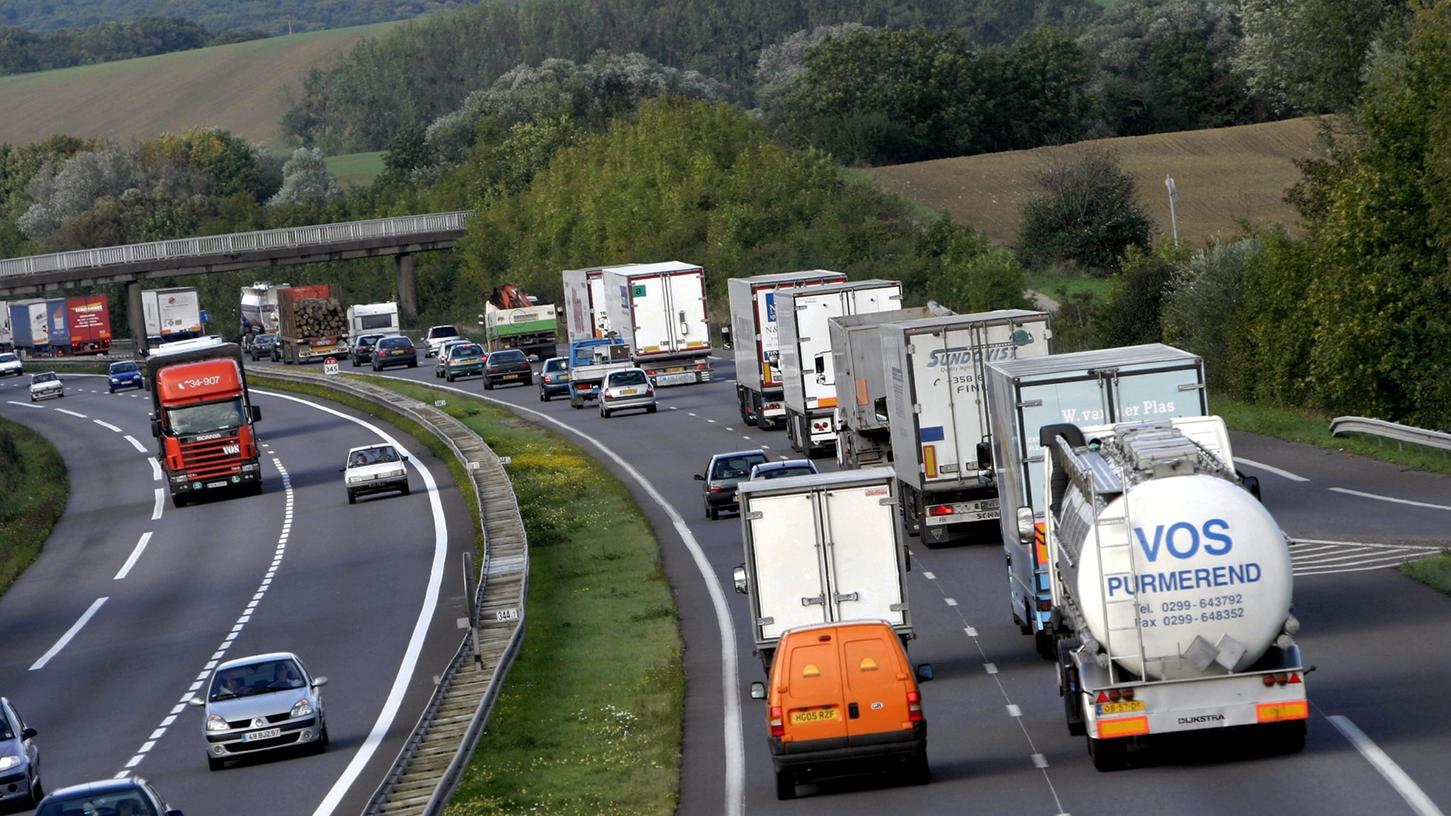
pixel 156 429
pixel 1027 526
pixel 739 576
pixel 28 733
pixel 700 477
pixel 1252 484
pixel 405 457
pixel 196 702
pixel 924 672
pixel 319 682
pixel 256 413
pixel 758 690
pixel 342 470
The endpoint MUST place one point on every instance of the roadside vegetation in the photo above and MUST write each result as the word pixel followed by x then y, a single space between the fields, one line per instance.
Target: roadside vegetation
pixel 33 492
pixel 1434 572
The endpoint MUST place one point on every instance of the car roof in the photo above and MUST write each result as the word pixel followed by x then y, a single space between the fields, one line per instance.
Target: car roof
pixel 751 452
pixel 99 786
pixel 257 658
pixel 787 464
pixel 625 371
pixel 352 451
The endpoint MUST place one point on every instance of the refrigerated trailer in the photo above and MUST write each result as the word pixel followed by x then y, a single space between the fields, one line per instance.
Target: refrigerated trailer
pixel 941 439
pixel 7 337
pixel 585 315
pixel 659 310
pixel 757 344
pixel 808 377
pixel 171 314
pixel 820 549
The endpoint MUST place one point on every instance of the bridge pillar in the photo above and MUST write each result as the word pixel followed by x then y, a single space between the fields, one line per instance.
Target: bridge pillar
pixel 136 315
pixel 407 286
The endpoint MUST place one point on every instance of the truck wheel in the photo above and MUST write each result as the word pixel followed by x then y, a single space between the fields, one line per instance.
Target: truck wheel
pixel 1046 644
pixel 1068 687
pixel 785 785
pixel 1286 737
pixel 1108 755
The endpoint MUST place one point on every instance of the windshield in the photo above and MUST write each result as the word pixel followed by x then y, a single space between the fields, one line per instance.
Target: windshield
pixel 782 473
pixel 8 358
pixel 47 376
pixel 264 677
pixel 627 378
pixel 442 331
pixel 372 456
pixel 113 803
pixel 736 467
pixel 5 732
pixel 122 368
pixel 266 338
pixel 214 416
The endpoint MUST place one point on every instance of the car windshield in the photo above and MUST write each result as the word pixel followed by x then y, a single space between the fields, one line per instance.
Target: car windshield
pixel 513 356
pixel 5 732
pixel 382 454
pixel 465 350
pixel 263 677
pixel 782 473
pixel 442 331
pixel 265 338
pixel 8 358
pixel 736 467
pixel 112 803
pixel 44 376
pixel 213 416
pixel 122 368
pixel 627 378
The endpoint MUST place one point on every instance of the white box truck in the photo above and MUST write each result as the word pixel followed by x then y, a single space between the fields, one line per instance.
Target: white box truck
pixel 757 344
pixel 171 314
pixel 659 310
pixel 585 315
pixel 807 372
pixel 819 549
pixel 1099 387
pixel 373 318
pixel 862 421
pixel 7 337
pixel 941 439
pixel 1172 587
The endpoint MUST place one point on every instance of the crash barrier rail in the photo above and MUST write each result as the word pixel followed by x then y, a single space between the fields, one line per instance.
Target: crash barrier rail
pixel 1394 431
pixel 431 762
pixel 236 243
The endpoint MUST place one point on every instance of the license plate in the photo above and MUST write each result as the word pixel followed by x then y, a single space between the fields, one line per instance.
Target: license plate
pixel 674 379
pixel 674 369
pixel 262 735
pixel 629 392
pixel 216 484
pixel 511 376
pixel 816 715
pixel 1125 707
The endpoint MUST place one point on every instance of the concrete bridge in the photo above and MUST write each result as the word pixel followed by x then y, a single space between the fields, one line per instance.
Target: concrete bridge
pixel 399 237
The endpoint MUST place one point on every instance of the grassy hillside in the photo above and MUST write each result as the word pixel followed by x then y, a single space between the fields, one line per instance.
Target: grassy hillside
pixel 1225 176
pixel 356 169
pixel 238 87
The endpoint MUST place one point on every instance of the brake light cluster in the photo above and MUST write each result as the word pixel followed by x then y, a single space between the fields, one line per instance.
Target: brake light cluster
pixel 940 510
pixel 1114 695
pixel 702 366
pixel 914 706
pixel 1281 678
pixel 818 426
pixel 778 728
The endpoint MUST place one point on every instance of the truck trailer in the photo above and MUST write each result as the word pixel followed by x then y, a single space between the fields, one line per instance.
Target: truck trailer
pixel 1171 586
pixel 30 326
pixel 757 344
pixel 7 336
pixel 259 311
pixel 821 549
pixel 203 419
pixel 88 324
pixel 808 377
pixel 171 314
pixel 373 318
pixel 942 438
pixel 310 324
pixel 1104 386
pixel 659 310
pixel 585 313
pixel 513 320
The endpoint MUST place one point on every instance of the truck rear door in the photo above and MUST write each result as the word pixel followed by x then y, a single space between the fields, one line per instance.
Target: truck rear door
pixel 649 302
pixel 813 338
pixel 1159 394
pixel 862 554
pixel 789 586
pixel 1083 399
pixel 687 310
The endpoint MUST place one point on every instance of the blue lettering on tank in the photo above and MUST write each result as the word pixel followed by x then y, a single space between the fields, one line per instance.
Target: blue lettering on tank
pixel 1169 538
pixel 1210 528
pixel 1151 553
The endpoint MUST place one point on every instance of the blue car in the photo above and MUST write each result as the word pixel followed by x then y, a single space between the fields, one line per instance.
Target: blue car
pixel 125 374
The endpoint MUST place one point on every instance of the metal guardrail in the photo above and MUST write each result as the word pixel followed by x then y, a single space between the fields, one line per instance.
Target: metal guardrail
pixel 235 243
pixel 1401 434
pixel 418 783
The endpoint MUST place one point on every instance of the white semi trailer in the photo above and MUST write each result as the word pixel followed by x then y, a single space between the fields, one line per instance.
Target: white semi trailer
pixel 757 342
pixel 863 437
pixel 1172 588
pixel 819 549
pixel 659 310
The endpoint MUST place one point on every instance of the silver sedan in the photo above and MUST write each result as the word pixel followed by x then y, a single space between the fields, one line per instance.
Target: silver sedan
pixel 627 388
pixel 262 703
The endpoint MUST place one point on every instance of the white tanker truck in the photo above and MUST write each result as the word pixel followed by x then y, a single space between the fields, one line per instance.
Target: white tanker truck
pixel 1171 586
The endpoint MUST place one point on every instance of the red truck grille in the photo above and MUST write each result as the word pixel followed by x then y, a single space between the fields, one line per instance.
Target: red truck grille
pixel 211 458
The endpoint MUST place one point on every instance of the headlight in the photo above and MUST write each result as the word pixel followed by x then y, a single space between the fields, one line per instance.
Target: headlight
pixel 179 478
pixel 9 761
pixel 356 479
pixel 398 474
pixel 302 709
pixel 249 467
pixel 216 723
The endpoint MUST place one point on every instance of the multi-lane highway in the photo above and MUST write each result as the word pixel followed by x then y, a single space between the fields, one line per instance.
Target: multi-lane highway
pixel 1379 730
pixel 133 602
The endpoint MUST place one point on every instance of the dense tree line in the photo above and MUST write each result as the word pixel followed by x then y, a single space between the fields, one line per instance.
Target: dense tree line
pixel 23 51
pixel 268 16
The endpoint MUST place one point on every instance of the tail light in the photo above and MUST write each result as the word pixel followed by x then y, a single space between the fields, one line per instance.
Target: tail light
pixel 914 706
pixel 940 510
pixel 1281 678
pixel 715 489
pixel 701 366
pixel 1114 695
pixel 779 730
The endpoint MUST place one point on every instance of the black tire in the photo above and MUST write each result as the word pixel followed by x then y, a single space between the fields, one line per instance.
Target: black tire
pixel 604 413
pixel 413 364
pixel 1108 755
pixel 528 381
pixel 1046 644
pixel 920 772
pixel 178 501
pixel 1286 737
pixel 352 497
pixel 355 362
pixel 785 785
pixel 36 793
pixel 712 513
pixel 543 397
pixel 448 378
pixel 1072 712
pixel 488 383
pixel 215 764
pixel 407 490
pixel 650 409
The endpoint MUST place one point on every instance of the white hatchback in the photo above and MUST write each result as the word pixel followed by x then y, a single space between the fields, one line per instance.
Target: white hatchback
pixel 627 388
pixel 10 364
pixel 375 469
pixel 45 385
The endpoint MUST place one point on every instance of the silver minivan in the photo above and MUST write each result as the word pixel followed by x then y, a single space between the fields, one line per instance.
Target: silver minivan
pixel 262 703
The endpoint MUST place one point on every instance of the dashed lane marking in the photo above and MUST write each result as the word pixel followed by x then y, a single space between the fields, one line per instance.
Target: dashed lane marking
pixel 140 448
pixel 135 556
pixel 25 404
pixel 1284 474
pixel 71 413
pixel 70 633
pixel 108 426
pixel 1347 491
pixel 160 500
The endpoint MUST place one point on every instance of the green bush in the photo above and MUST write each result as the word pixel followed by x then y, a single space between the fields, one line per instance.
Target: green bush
pixel 1085 215
pixel 1203 302
pixel 1132 314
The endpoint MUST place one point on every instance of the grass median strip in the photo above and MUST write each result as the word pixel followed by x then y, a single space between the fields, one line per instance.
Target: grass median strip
pixel 33 491
pixel 1434 572
pixel 589 719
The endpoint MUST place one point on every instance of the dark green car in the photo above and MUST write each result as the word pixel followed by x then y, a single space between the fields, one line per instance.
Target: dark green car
pixel 463 360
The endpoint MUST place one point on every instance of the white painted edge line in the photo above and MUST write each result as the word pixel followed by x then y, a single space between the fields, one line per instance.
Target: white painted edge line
pixel 71 413
pixel 1347 491
pixel 1285 474
pixel 155 470
pixel 1399 779
pixel 135 555
pixel 160 502
pixel 1427 547
pixel 409 664
pixel 140 448
pixel 106 425
pixel 70 633
pixel 730 673
pixel 25 404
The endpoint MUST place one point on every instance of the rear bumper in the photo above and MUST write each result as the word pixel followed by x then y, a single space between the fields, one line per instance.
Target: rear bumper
pixel 463 371
pixel 825 756
pixel 626 403
pixel 383 362
pixel 510 377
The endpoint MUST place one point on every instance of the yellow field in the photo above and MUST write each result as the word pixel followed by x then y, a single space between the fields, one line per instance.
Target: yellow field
pixel 1225 176
pixel 238 87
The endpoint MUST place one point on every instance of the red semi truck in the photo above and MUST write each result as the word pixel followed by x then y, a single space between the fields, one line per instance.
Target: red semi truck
pixel 203 419
pixel 89 320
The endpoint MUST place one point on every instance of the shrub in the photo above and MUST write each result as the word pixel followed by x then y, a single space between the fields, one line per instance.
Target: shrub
pixel 1086 215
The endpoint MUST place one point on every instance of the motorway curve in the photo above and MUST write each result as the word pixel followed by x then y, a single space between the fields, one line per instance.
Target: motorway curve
pixel 132 602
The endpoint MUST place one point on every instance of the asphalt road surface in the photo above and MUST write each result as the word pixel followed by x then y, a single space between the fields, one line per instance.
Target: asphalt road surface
pixel 132 602
pixel 997 740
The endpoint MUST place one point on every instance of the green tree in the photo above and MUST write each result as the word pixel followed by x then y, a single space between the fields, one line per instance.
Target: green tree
pixel 1086 214
pixel 1039 91
pixel 1203 304
pixel 1133 312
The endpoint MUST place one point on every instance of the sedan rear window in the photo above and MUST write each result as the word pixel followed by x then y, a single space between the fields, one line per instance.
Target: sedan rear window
pixel 395 342
pixel 736 467
pixel 556 364
pixel 465 350
pixel 627 378
pixel 512 356
pixel 782 473
pixel 442 331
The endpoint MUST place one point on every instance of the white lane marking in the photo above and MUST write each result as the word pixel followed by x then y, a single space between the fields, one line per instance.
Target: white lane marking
pixel 25 404
pixel 1014 711
pixel 950 601
pixel 71 413
pixel 1399 779
pixel 1347 491
pixel 1284 474
pixel 140 448
pixel 409 663
pixel 135 555
pixel 155 470
pixel 70 633
pixel 160 500
pixel 929 576
pixel 106 425
pixel 990 668
pixel 730 672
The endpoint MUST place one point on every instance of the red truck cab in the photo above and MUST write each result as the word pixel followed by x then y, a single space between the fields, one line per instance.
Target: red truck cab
pixel 203 419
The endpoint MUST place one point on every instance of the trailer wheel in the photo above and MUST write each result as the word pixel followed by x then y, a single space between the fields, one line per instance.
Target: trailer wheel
pixel 1285 737
pixel 1108 755
pixel 1068 687
pixel 1046 644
